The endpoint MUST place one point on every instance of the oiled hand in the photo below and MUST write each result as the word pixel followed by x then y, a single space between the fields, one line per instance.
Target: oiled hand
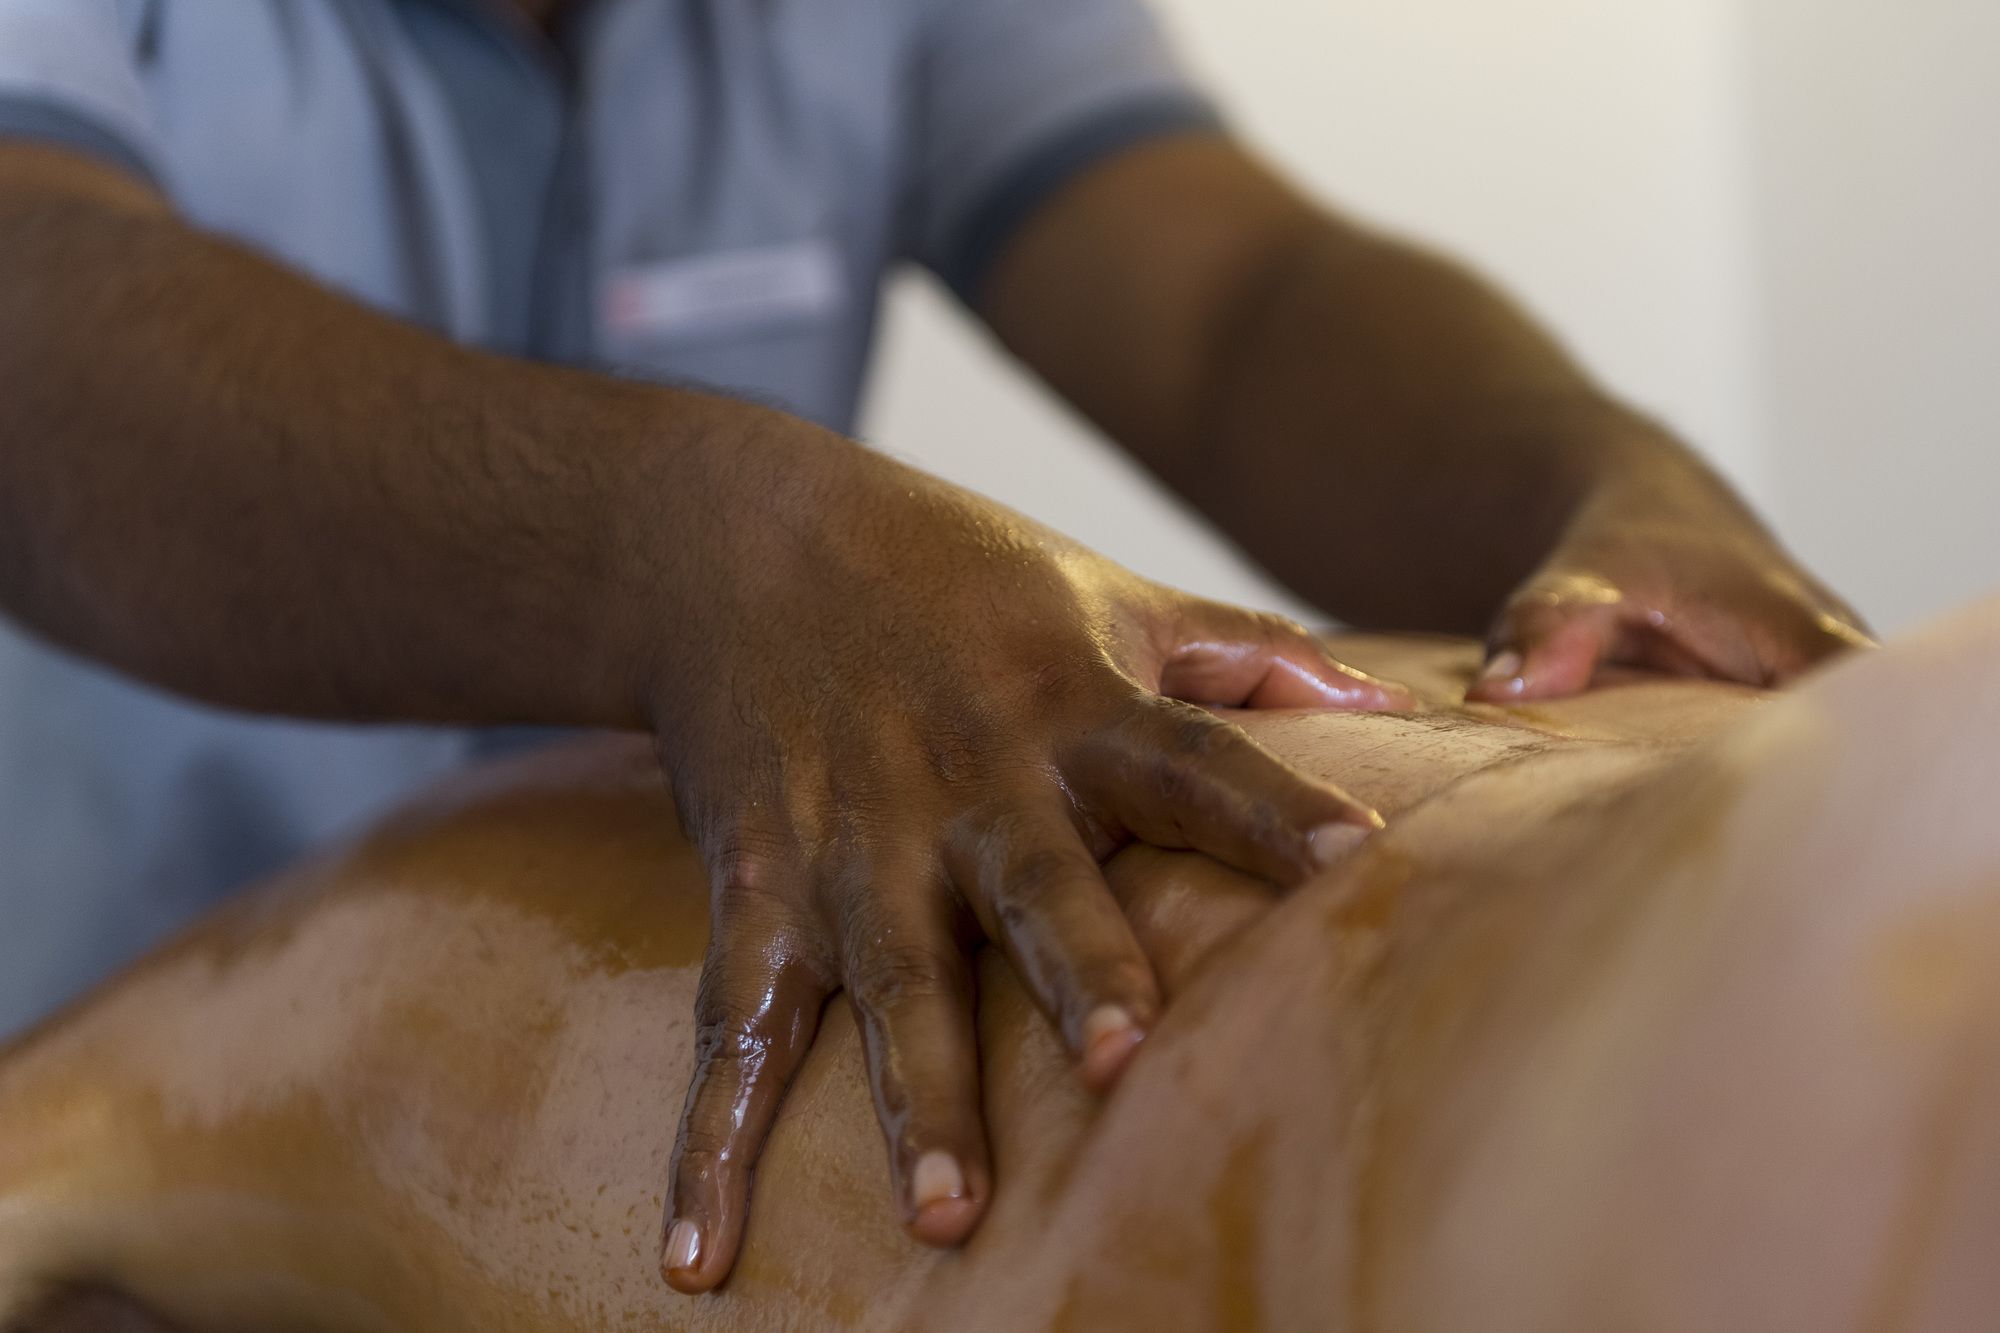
pixel 1688 584
pixel 912 719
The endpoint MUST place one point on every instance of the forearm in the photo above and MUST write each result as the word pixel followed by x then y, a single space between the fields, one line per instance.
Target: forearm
pixel 224 479
pixel 1385 432
pixel 1398 441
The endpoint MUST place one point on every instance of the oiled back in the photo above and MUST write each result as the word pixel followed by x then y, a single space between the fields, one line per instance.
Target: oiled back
pixel 431 1081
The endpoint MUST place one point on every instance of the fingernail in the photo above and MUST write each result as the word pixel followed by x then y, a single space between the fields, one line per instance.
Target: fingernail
pixel 683 1244
pixel 1504 666
pixel 1333 843
pixel 936 1179
pixel 1110 1035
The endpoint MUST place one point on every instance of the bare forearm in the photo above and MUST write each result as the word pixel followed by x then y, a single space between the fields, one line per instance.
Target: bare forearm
pixel 224 479
pixel 1385 432
pixel 1398 441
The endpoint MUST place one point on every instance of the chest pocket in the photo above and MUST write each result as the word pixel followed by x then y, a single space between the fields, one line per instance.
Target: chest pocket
pixel 732 292
pixel 745 161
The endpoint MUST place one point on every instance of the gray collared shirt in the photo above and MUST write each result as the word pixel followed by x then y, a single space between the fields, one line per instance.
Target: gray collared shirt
pixel 707 191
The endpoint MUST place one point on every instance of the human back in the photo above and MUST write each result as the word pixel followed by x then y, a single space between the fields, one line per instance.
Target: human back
pixel 324 482
pixel 431 1078
pixel 429 1081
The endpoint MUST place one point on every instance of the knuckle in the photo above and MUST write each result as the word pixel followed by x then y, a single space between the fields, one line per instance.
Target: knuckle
pixel 1189 733
pixel 733 1041
pixel 989 835
pixel 996 830
pixel 953 754
pixel 1283 627
pixel 1067 680
pixel 1031 883
pixel 741 860
pixel 1186 750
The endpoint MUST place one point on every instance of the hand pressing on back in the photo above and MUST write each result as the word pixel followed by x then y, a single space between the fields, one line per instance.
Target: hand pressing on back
pixel 1671 573
pixel 908 719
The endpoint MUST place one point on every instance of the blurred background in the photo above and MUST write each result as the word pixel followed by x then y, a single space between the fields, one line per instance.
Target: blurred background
pixel 1772 222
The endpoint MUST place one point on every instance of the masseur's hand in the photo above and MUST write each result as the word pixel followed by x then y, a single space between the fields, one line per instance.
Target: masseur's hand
pixel 908 718
pixel 1670 574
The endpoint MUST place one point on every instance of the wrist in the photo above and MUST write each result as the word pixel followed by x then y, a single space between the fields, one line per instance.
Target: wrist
pixel 1638 473
pixel 719 515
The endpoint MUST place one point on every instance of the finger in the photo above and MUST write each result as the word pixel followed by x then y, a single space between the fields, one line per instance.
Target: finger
pixel 1549 641
pixel 1041 896
pixel 1224 655
pixel 910 983
pixel 762 989
pixel 1557 634
pixel 1176 776
pixel 1761 640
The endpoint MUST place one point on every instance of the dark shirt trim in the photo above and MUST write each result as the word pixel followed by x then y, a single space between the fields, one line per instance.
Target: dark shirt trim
pixel 968 256
pixel 26 117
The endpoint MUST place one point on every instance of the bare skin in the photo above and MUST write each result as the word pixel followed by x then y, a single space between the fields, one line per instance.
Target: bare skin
pixel 825 643
pixel 1326 394
pixel 894 715
pixel 1668 1007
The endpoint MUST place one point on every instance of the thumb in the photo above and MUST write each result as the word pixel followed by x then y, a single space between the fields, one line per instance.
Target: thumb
pixel 1226 656
pixel 1547 646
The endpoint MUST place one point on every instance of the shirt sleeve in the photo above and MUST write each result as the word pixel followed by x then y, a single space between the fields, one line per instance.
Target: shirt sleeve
pixel 1015 98
pixel 69 75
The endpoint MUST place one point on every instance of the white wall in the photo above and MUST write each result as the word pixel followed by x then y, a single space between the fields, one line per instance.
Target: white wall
pixel 1877 132
pixel 1774 221
pixel 1583 153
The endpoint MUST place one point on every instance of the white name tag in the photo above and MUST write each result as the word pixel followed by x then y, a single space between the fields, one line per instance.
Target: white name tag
pixel 733 290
